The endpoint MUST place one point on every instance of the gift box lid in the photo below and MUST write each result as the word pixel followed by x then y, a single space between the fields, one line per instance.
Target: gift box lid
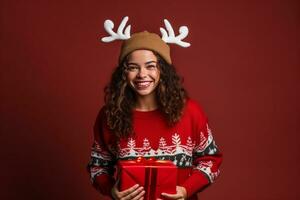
pixel 165 172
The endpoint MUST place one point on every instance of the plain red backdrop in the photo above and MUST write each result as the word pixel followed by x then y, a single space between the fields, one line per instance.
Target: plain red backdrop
pixel 242 66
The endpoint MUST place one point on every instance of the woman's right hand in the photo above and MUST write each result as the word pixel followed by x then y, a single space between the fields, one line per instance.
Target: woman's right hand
pixel 136 192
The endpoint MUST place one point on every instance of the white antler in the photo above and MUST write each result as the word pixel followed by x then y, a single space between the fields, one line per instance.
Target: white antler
pixel 109 25
pixel 171 38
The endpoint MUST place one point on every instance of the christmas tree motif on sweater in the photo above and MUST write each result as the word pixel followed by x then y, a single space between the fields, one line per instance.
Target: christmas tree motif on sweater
pixel 163 149
pixel 162 143
pixel 146 145
pixel 131 144
pixel 204 142
pixel 181 154
pixel 177 147
pixel 130 151
pixel 176 139
pixel 190 145
pixel 146 150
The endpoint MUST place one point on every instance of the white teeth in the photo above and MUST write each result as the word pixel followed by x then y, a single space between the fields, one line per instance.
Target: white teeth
pixel 142 84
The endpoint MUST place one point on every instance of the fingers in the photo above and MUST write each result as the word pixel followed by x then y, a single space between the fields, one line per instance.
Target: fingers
pixel 181 194
pixel 136 194
pixel 172 196
pixel 140 195
pixel 129 190
pixel 133 193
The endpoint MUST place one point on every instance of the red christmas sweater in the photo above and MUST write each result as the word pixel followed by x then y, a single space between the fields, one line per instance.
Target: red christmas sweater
pixel 189 144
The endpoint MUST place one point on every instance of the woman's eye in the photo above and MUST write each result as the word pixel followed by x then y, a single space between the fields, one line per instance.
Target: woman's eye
pixel 132 68
pixel 151 66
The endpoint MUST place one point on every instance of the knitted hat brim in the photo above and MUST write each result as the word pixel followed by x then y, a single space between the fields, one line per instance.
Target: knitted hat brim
pixel 147 41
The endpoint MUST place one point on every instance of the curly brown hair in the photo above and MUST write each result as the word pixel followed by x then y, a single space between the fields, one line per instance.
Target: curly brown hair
pixel 120 98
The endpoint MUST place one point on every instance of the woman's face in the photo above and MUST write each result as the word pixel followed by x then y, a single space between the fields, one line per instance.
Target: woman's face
pixel 142 72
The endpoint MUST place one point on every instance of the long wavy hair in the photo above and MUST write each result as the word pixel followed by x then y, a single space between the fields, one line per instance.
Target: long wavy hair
pixel 120 98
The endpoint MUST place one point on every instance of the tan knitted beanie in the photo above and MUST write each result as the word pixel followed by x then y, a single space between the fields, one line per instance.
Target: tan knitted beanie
pixel 145 40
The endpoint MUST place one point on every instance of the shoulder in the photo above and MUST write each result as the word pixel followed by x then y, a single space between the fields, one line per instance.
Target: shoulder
pixel 195 111
pixel 192 106
pixel 101 120
pixel 101 128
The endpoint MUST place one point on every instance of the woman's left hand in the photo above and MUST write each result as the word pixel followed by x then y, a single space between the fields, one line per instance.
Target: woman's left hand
pixel 181 194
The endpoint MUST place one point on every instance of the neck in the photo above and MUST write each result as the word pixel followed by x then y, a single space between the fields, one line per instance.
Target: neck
pixel 146 103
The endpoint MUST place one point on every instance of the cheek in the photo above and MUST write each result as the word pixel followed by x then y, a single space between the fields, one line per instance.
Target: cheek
pixel 156 75
pixel 129 77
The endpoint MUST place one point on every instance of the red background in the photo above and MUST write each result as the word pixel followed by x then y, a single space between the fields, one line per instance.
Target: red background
pixel 243 67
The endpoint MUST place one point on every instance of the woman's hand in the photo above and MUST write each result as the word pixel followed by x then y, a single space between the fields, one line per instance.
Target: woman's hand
pixel 181 194
pixel 133 193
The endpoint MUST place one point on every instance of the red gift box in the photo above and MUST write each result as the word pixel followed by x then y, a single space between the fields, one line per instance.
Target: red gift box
pixel 156 176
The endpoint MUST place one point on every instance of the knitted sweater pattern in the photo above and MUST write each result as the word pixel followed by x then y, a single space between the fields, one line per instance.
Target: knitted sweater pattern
pixel 189 145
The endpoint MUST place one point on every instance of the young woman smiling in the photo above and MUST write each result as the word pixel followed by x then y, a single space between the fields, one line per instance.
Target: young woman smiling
pixel 147 113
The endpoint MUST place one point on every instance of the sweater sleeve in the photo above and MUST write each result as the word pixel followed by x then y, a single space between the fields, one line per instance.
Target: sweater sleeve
pixel 206 156
pixel 102 162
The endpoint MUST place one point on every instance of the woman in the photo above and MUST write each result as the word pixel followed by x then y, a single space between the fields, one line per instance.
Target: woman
pixel 147 113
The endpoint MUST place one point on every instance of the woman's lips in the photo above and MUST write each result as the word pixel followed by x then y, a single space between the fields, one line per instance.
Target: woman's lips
pixel 142 84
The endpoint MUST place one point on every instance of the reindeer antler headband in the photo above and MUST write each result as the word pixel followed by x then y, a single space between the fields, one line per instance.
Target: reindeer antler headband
pixel 145 40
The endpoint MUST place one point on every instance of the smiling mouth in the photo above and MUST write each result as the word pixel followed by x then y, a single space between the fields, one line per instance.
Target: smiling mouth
pixel 142 84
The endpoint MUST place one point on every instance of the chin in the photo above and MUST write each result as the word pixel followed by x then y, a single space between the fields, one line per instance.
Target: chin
pixel 144 93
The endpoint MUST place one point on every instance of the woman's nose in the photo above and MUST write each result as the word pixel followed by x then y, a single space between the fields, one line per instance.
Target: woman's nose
pixel 142 72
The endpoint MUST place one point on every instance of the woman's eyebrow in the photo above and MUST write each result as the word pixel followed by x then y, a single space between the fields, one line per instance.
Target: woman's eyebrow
pixel 130 63
pixel 146 63
pixel 152 61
